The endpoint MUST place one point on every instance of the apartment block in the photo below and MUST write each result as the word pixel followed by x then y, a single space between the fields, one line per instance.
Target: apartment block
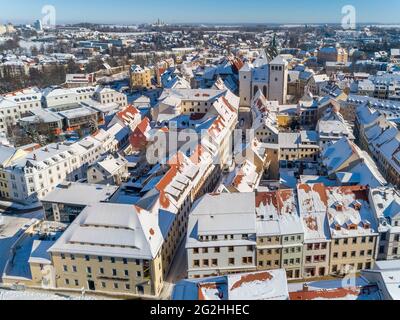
pixel 112 248
pixel 140 77
pixel 222 235
pixel 14 105
pixel 317 238
pixel 280 233
pixel 354 230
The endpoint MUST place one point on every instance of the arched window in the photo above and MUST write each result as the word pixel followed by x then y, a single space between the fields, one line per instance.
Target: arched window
pixel 255 90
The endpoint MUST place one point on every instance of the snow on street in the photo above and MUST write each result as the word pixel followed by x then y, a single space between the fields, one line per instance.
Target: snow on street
pixel 37 295
pixel 10 229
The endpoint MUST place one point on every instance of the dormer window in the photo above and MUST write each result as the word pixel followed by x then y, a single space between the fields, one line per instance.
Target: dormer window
pixel 351 225
pixel 357 205
pixel 366 224
pixel 338 206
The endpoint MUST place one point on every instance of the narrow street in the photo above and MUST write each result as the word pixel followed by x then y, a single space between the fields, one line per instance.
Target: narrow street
pixel 177 273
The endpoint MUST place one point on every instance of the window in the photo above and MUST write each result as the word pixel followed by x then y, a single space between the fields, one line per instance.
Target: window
pixel 62 256
pixel 370 252
pixel 65 268
pixel 87 258
pixel 102 270
pixel 67 282
pixel 217 250
pixel 126 272
pixel 205 263
pixel 89 270
pixel 128 287
pixel 214 262
pixel 112 260
pixel 231 249
pixel 196 263
pixel 125 261
pixel 231 261
pixel 205 250
pixel 103 285
pixel 371 239
pixel 196 250
pixel 116 286
pixel 353 254
pixel 114 272
pixel 72 257
pixel 100 259
pixel 76 283
pixel 74 269
pixel 138 274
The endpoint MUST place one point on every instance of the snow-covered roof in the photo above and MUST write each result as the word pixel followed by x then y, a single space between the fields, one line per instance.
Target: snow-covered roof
pixel 264 285
pixel 349 212
pixel 313 211
pixel 277 213
pixel 113 230
pixel 71 193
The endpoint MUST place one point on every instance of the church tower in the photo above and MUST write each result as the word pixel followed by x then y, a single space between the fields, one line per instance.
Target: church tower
pixel 245 79
pixel 278 80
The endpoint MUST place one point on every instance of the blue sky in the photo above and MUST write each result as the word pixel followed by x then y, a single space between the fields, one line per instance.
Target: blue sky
pixel 207 11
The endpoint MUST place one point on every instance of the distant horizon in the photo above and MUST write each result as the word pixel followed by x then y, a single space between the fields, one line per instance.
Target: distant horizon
pixel 130 12
pixel 227 24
